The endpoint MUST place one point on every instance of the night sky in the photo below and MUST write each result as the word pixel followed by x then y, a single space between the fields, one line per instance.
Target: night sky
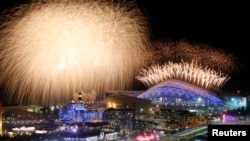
pixel 220 25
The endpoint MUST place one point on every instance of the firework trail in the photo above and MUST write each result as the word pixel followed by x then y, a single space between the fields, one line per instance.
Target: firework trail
pixel 188 72
pixel 197 64
pixel 217 59
pixel 52 49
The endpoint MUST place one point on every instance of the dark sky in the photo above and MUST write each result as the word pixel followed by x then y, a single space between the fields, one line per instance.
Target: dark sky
pixel 221 25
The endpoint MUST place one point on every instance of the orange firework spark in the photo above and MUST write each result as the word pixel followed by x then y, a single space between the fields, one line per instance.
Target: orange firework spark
pixel 53 49
pixel 205 55
pixel 188 72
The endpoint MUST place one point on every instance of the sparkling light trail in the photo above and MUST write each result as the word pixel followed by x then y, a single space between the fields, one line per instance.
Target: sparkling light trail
pixel 50 50
pixel 188 72
pixel 204 54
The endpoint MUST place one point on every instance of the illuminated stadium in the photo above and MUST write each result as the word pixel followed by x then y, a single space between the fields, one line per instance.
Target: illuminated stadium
pixel 179 93
pixel 187 85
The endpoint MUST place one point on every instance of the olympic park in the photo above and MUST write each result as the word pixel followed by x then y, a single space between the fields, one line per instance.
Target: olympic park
pixel 186 104
pixel 179 94
pixel 167 105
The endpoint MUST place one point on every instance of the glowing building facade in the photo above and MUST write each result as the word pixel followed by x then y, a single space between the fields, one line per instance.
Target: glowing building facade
pixel 185 84
pixel 179 93
pixel 77 111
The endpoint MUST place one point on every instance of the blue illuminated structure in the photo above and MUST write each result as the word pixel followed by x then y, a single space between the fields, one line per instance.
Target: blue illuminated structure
pixel 179 93
pixel 77 111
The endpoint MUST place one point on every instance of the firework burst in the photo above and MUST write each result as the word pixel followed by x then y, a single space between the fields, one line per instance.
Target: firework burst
pixel 188 72
pixel 52 49
pixel 217 59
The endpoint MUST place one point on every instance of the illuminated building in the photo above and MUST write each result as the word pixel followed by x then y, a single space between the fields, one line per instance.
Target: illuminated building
pixel 122 101
pixel 180 93
pixel 123 108
pixel 187 85
pixel 235 102
pixel 77 111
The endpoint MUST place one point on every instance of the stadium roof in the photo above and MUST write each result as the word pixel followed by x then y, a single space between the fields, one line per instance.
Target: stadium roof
pixel 181 89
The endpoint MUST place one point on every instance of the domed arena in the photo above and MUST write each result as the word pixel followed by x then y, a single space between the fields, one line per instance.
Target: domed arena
pixel 179 93
pixel 183 85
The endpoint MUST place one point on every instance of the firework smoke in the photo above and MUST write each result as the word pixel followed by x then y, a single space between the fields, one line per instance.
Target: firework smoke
pixel 217 59
pixel 52 49
pixel 188 72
